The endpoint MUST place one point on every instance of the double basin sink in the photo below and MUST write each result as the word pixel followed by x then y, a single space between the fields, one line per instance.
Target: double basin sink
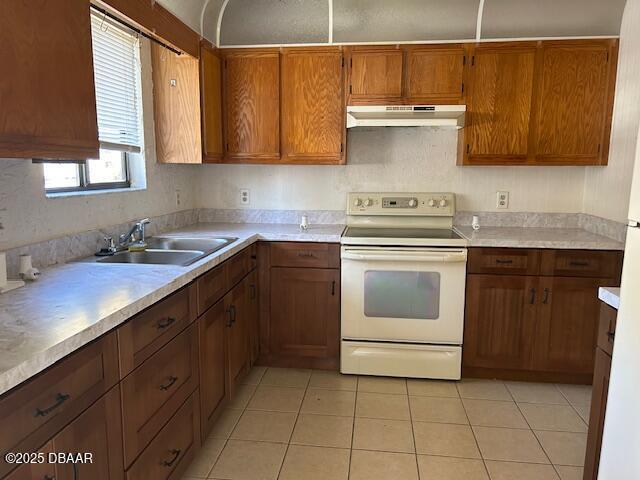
pixel 171 251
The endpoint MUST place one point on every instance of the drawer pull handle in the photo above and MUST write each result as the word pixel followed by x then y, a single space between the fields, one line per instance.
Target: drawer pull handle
pixel 306 254
pixel 504 262
pixel 48 477
pixel 169 384
pixel 576 263
pixel 174 458
pixel 533 296
pixel 611 336
pixel 232 315
pixel 162 324
pixel 333 288
pixel 545 300
pixel 60 399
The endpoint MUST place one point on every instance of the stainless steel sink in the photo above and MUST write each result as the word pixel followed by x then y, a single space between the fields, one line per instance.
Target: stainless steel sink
pixel 171 251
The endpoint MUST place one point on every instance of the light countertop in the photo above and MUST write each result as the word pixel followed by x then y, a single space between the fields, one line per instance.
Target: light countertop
pixel 75 303
pixel 536 237
pixel 610 296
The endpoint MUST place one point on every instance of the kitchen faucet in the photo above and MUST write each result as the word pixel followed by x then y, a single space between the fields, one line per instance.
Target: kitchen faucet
pixel 133 238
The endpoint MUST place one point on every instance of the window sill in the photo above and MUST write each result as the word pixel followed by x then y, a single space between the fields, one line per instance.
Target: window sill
pixel 82 193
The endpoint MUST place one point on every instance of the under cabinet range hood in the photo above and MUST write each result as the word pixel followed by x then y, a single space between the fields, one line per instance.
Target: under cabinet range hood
pixel 406 116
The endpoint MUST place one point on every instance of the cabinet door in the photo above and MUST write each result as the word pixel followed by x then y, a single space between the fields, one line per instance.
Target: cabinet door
pixel 565 340
pixel 575 101
pixel 36 471
pixel 254 316
pixel 238 309
pixel 212 328
pixel 499 319
pixel 47 92
pixel 305 312
pixel 499 104
pixel 251 93
pixel 435 74
pixel 599 395
pixel 211 97
pixel 96 432
pixel 375 75
pixel 176 106
pixel 313 118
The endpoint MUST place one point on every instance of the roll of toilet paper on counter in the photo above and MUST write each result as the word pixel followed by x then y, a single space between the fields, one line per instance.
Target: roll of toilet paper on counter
pixel 3 269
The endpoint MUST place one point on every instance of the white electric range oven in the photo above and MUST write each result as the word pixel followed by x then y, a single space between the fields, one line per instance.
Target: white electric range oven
pixel 403 286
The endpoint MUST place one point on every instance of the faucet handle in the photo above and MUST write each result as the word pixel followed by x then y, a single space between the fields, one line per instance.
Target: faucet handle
pixel 110 244
pixel 144 221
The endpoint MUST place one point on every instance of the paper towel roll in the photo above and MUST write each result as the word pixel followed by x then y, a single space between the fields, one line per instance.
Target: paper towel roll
pixel 3 269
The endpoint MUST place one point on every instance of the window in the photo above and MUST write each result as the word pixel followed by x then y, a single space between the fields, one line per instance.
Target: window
pixel 116 63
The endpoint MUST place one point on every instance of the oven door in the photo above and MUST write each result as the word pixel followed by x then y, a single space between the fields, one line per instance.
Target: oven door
pixel 403 294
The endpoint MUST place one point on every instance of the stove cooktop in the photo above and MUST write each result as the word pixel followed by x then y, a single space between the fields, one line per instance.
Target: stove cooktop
pixel 445 237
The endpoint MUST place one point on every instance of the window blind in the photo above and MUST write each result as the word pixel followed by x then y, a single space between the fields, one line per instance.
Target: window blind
pixel 116 74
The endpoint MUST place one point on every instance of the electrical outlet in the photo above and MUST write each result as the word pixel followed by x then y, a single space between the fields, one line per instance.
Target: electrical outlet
pixel 245 198
pixel 502 199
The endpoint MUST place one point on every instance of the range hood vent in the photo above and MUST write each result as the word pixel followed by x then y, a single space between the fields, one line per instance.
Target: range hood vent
pixel 452 116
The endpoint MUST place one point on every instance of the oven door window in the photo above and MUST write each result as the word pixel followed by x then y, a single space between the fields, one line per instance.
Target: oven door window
pixel 401 294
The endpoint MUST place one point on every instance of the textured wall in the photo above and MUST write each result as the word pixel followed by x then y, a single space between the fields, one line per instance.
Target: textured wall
pixel 27 216
pixel 395 159
pixel 606 190
pixel 188 11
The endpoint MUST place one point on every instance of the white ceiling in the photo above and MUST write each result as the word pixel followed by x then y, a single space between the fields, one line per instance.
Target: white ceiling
pixel 258 22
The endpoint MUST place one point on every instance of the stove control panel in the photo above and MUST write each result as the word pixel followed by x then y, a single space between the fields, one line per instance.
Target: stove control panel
pixel 413 204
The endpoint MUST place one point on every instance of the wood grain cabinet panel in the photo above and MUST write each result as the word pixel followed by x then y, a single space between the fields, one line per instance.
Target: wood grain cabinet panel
pixel 600 392
pixel 38 471
pixel 568 323
pixel 575 99
pixel 305 312
pixel 97 431
pixel 252 101
pixel 434 74
pixel 211 98
pixel 376 74
pixel 582 263
pixel 47 92
pixel 313 118
pixel 153 392
pixel 176 106
pixel 504 261
pixel 499 103
pixel 499 320
pixel 305 254
pixel 239 322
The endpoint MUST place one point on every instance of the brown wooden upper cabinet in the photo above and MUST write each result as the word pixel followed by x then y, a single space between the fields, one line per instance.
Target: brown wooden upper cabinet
pixel 252 106
pixel 211 99
pixel 406 74
pixel 540 103
pixel 575 101
pixel 499 103
pixel 313 116
pixel 47 94
pixel 176 105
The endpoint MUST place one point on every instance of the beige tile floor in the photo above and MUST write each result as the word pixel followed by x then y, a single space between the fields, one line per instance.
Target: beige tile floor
pixel 288 424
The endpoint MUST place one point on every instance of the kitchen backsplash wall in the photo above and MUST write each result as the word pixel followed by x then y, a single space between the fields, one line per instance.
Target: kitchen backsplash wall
pixel 28 217
pixel 606 190
pixel 393 159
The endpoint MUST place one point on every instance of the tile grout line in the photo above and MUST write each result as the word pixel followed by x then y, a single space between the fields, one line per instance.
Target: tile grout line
pixel 475 439
pixel 304 395
pixel 353 427
pixel 413 433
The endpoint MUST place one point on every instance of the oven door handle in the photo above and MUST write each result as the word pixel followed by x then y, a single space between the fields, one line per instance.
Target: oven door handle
pixel 399 256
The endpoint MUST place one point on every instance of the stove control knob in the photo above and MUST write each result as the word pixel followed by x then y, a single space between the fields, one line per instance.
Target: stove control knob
pixel 443 203
pixel 357 202
pixel 368 202
pixel 431 202
pixel 413 203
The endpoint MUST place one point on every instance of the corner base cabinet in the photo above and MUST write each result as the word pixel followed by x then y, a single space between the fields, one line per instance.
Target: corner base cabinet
pixel 533 314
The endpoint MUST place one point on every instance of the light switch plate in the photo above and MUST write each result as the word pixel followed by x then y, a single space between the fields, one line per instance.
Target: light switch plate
pixel 502 200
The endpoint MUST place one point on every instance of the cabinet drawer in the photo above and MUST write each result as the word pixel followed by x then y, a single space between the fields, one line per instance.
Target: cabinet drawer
pixel 299 254
pixel 144 334
pixel 169 454
pixel 153 391
pixel 34 412
pixel 238 266
pixel 607 328
pixel 508 261
pixel 582 263
pixel 211 287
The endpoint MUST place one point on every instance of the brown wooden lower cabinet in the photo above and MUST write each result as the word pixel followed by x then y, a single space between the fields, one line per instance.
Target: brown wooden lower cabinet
pixel 541 326
pixel 600 391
